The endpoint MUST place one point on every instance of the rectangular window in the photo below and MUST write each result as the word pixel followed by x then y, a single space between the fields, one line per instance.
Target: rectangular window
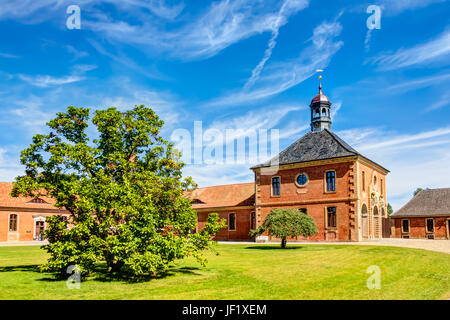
pixel 331 180
pixel 252 220
pixel 275 186
pixel 405 226
pixel 430 225
pixel 381 186
pixel 363 181
pixel 331 217
pixel 303 210
pixel 13 222
pixel 232 221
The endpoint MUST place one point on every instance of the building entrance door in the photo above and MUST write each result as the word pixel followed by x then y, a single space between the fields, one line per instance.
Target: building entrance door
pixel 39 230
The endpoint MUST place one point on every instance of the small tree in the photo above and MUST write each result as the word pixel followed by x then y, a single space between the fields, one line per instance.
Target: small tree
pixel 124 191
pixel 283 223
pixel 389 209
pixel 417 191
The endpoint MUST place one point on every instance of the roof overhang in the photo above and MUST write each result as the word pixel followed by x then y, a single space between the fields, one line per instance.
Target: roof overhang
pixel 304 164
pixel 372 164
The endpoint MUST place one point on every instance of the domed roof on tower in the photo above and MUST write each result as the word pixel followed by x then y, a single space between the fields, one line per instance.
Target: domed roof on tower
pixel 320 111
pixel 320 97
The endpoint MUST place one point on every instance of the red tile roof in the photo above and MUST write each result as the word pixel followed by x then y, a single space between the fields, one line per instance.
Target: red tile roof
pixel 21 202
pixel 231 195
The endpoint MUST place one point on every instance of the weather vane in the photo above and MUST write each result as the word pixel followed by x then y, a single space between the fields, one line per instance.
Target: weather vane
pixel 320 78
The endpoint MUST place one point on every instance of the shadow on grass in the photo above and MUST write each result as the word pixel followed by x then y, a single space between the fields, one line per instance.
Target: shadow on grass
pixel 127 277
pixel 29 267
pixel 265 247
pixel 296 247
pixel 102 275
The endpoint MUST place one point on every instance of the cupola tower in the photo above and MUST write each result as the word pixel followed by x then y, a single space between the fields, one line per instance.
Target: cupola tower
pixel 320 111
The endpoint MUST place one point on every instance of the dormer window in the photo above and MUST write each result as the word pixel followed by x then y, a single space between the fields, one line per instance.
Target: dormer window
pixel 37 200
pixel 197 201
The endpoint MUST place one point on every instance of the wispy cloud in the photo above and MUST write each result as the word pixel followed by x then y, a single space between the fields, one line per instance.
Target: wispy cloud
pixel 287 6
pixel 166 105
pixel 32 11
pixel 8 55
pixel 419 159
pixel 222 24
pixel 45 81
pixel 394 7
pixel 281 76
pixel 437 49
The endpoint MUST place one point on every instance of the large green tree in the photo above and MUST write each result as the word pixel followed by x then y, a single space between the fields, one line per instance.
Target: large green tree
pixel 124 191
pixel 284 223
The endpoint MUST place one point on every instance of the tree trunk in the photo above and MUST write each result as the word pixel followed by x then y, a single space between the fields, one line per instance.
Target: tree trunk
pixel 283 243
pixel 116 266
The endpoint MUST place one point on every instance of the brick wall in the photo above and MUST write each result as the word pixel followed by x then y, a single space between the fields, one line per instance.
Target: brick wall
pixel 417 227
pixel 242 224
pixel 313 196
pixel 25 225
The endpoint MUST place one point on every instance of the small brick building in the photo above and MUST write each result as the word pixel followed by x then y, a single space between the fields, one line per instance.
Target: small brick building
pixel 22 218
pixel 320 174
pixel 427 215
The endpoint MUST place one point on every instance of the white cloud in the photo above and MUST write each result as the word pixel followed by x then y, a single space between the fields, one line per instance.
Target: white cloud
pixel 437 49
pixel 281 76
pixel 164 104
pixel 222 24
pixel 287 6
pixel 9 163
pixel 8 55
pixel 394 7
pixel 415 160
pixel 32 11
pixel 45 81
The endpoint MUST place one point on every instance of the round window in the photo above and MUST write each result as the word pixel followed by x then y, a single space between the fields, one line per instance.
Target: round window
pixel 302 179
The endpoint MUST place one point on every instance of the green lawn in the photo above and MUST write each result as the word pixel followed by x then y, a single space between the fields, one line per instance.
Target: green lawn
pixel 250 272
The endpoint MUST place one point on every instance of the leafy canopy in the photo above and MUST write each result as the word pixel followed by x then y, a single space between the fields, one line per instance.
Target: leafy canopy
pixel 284 223
pixel 124 191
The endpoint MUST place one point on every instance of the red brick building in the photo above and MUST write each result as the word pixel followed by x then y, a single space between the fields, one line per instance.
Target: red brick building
pixel 427 215
pixel 23 219
pixel 343 191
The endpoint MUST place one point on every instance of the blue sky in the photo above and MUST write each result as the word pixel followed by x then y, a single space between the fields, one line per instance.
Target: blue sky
pixel 242 64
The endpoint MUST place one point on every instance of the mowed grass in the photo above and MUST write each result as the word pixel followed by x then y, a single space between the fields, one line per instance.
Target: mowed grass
pixel 250 272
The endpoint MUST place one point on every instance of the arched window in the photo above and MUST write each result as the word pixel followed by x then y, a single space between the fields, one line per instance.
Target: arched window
pixel 324 112
pixel 317 113
pixel 364 210
pixel 13 222
pixel 375 211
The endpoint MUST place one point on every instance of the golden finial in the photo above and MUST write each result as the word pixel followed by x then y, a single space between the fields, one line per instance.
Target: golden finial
pixel 320 80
